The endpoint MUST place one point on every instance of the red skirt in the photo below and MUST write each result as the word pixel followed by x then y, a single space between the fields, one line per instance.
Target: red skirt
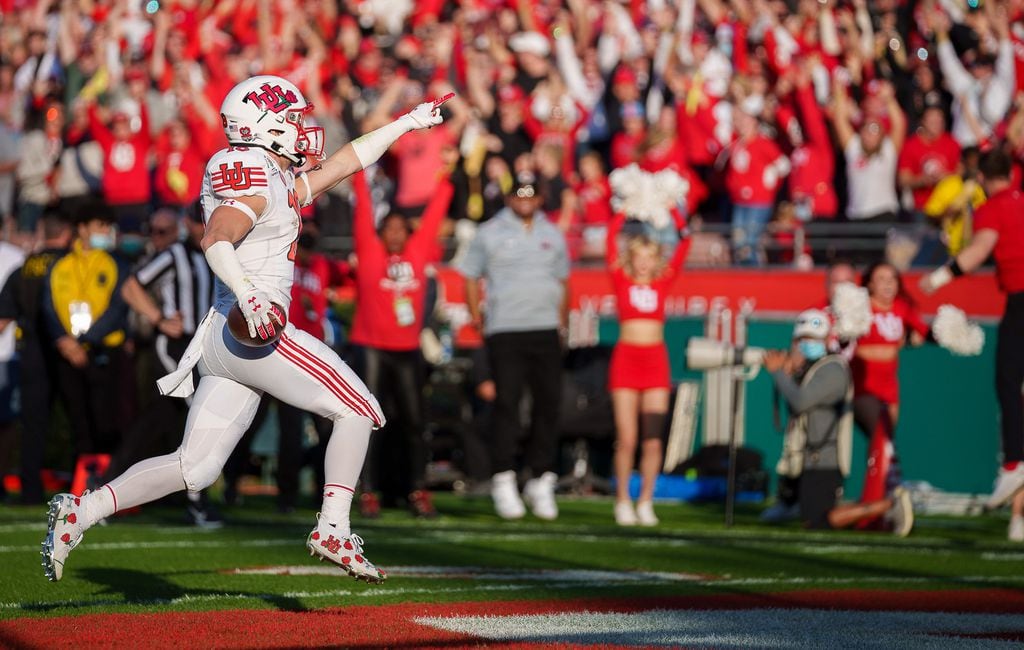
pixel 878 378
pixel 639 367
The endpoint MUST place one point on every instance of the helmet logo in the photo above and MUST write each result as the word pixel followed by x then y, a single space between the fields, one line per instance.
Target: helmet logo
pixel 272 98
pixel 245 133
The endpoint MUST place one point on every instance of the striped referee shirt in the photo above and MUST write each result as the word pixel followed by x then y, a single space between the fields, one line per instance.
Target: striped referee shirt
pixel 183 281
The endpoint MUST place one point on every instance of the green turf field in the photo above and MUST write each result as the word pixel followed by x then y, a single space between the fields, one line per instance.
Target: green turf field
pixel 151 562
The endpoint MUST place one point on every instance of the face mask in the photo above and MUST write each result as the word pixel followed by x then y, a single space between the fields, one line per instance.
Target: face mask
pixel 101 241
pixel 812 350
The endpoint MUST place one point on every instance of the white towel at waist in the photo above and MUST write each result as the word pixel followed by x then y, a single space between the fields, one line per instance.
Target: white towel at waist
pixel 179 383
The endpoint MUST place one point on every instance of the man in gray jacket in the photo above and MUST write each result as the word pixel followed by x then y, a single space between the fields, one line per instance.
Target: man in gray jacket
pixel 817 386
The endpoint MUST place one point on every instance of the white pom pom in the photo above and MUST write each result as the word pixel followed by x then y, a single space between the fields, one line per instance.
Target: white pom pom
pixel 954 332
pixel 852 308
pixel 647 197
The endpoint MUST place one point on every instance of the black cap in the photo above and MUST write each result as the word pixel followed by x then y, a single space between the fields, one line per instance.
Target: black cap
pixel 524 187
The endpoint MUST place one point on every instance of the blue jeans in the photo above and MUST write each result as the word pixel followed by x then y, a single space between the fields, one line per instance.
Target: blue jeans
pixel 748 222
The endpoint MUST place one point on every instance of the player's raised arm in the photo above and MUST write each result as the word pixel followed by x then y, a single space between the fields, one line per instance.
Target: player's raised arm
pixel 367 149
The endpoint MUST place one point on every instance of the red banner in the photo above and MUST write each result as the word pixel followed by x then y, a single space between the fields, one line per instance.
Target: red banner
pixel 767 294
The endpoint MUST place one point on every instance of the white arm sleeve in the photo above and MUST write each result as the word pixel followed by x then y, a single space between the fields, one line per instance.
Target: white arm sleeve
pixel 224 262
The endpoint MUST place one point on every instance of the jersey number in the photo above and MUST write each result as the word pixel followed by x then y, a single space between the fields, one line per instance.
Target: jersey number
pixel 293 203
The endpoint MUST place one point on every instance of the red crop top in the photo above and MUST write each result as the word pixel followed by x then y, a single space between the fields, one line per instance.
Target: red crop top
pixel 640 300
pixel 889 327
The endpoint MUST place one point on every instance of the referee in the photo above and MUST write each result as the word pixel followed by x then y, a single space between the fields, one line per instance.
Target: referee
pixel 179 275
pixel 999 231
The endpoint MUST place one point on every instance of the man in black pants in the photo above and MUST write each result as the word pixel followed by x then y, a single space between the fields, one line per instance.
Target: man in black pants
pixel 999 231
pixel 21 301
pixel 522 257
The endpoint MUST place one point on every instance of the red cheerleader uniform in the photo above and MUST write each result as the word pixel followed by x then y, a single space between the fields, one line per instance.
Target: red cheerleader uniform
pixel 641 367
pixel 879 378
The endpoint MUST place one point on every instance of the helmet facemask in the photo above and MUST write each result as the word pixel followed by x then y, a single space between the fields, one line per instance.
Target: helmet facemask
pixel 310 140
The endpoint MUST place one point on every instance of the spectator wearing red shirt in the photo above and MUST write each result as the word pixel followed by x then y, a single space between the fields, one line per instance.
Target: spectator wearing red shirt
pixel 390 302
pixel 999 232
pixel 627 144
pixel 594 200
pixel 179 170
pixel 126 184
pixel 663 149
pixel 812 182
pixel 929 155
pixel 756 167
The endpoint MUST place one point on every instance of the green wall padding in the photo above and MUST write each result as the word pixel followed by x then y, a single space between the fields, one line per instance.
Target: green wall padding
pixel 948 431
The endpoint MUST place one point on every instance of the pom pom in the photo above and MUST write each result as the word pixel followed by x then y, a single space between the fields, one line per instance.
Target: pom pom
pixel 954 332
pixel 852 308
pixel 647 197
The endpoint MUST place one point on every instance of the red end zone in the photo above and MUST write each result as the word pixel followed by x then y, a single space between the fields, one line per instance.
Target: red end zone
pixel 972 614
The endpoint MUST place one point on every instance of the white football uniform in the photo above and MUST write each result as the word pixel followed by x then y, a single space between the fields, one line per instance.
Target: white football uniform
pixel 298 369
pixel 268 252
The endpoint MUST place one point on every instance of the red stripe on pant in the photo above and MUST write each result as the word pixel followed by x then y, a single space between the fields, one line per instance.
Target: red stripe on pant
pixel 354 394
pixel 338 391
pixel 337 485
pixel 113 496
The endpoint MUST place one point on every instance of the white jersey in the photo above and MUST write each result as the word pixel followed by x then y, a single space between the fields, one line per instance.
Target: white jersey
pixel 267 252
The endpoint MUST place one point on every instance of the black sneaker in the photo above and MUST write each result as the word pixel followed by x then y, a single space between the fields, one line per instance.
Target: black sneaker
pixel 203 516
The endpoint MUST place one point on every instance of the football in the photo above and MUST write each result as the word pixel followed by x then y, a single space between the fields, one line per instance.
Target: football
pixel 240 329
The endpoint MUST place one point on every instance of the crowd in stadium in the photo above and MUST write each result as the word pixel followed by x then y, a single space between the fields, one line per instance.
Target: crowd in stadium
pixel 775 113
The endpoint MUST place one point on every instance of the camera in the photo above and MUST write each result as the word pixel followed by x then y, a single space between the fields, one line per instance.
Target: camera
pixel 708 354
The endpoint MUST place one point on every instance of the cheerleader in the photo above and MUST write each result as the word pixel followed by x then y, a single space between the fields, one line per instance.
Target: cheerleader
pixel 875 366
pixel 638 376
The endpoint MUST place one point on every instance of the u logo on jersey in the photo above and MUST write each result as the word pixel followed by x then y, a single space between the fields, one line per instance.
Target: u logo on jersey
pixel 400 271
pixel 890 326
pixel 235 177
pixel 643 298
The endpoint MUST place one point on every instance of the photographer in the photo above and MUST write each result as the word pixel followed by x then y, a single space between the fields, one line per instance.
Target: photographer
pixel 817 388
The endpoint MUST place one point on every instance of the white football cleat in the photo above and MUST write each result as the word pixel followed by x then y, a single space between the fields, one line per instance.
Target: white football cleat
pixel 539 494
pixel 645 513
pixel 505 493
pixel 1008 484
pixel 64 533
pixel 347 552
pixel 625 515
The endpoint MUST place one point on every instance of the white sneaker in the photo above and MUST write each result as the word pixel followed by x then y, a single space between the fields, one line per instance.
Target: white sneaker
pixel 1016 530
pixel 645 513
pixel 902 513
pixel 1008 483
pixel 326 543
pixel 625 515
pixel 64 533
pixel 505 492
pixel 539 493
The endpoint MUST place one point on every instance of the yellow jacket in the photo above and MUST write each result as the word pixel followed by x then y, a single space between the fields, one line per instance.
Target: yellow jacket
pixel 954 201
pixel 91 281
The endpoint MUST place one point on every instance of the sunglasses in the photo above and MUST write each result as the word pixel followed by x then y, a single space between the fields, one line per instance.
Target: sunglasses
pixel 162 231
pixel 526 192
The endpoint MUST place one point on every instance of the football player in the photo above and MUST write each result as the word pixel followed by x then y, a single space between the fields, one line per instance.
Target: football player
pixel 251 198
